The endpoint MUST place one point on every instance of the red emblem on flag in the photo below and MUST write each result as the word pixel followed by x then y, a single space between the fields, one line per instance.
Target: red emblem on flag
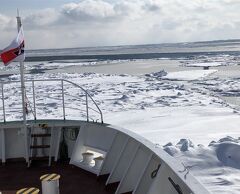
pixel 15 51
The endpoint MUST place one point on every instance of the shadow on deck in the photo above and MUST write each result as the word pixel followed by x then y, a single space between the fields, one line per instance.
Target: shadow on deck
pixel 16 175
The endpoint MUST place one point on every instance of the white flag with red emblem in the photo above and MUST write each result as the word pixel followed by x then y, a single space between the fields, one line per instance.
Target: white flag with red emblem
pixel 15 51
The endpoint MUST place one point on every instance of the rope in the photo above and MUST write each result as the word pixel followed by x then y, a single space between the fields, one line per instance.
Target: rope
pixel 27 103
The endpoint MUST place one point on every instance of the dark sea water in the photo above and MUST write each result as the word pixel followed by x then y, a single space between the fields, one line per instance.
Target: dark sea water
pixel 171 51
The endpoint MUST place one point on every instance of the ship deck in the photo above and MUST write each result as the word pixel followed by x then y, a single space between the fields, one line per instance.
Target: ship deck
pixel 16 175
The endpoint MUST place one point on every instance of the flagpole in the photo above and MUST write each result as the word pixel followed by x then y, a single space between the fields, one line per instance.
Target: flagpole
pixel 19 24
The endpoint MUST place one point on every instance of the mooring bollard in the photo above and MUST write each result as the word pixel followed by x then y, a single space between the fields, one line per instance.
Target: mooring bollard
pixel 31 190
pixel 50 183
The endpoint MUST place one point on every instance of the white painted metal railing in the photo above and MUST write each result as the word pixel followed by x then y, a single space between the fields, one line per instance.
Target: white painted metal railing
pixel 46 96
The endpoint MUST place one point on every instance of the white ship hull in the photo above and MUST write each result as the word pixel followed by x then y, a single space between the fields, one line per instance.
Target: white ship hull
pixel 137 165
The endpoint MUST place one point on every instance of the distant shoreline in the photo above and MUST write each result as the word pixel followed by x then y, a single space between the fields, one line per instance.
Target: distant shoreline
pixel 170 55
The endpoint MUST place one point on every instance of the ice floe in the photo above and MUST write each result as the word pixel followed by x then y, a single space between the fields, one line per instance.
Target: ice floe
pixel 216 165
pixel 189 75
pixel 207 64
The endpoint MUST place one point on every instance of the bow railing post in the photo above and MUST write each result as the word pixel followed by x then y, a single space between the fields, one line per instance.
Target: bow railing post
pixel 34 100
pixel 87 105
pixel 63 102
pixel 3 104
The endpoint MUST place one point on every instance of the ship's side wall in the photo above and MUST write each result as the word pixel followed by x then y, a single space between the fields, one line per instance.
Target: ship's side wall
pixel 131 161
pixel 12 143
pixel 1 143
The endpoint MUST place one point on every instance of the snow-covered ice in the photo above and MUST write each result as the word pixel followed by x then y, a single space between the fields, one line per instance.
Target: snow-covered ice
pixel 189 75
pixel 207 64
pixel 217 165
pixel 162 110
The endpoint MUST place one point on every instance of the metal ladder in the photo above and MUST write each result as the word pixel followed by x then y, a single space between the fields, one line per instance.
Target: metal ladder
pixel 41 133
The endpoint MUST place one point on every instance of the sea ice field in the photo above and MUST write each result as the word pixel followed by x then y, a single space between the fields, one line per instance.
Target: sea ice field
pixel 182 109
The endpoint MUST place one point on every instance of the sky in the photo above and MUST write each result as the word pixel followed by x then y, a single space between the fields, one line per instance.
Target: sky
pixel 84 23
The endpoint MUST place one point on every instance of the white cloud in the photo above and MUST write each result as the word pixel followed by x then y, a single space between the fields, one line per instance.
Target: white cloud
pixel 100 11
pixel 6 22
pixel 101 22
pixel 3 21
pixel 41 18
pixel 88 10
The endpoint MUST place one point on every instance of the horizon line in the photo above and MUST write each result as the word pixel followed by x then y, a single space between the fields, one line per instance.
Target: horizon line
pixel 122 45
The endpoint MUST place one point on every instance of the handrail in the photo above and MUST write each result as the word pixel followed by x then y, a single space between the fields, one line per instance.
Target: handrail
pixel 88 96
pixel 63 93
